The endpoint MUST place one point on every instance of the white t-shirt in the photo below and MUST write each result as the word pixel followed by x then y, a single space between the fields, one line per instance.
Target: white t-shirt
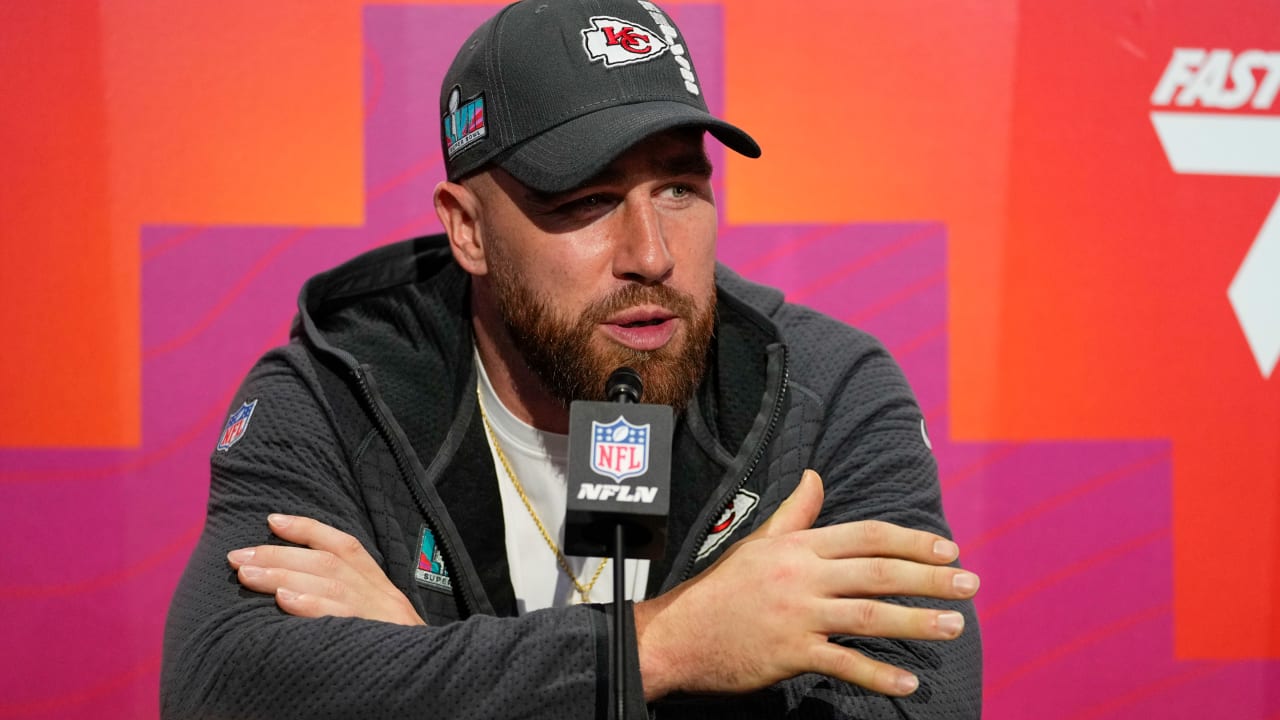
pixel 540 461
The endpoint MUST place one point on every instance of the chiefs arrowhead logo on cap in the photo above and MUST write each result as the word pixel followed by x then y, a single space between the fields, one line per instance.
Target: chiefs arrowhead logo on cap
pixel 618 42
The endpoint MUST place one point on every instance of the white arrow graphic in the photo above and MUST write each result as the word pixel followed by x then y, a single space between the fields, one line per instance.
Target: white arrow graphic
pixel 1255 294
pixel 1222 144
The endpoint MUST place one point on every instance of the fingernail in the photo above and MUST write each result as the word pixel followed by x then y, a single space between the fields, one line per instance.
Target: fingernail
pixel 278 520
pixel 251 572
pixel 803 477
pixel 240 557
pixel 286 594
pixel 907 684
pixel 965 582
pixel 951 623
pixel 946 549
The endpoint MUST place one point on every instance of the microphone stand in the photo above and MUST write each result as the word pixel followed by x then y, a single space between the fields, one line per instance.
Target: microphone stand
pixel 619 620
pixel 597 522
pixel 624 386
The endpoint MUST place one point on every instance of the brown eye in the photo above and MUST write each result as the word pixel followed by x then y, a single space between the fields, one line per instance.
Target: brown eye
pixel 586 203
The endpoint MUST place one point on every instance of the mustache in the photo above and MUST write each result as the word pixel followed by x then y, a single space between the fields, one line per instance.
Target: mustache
pixel 633 294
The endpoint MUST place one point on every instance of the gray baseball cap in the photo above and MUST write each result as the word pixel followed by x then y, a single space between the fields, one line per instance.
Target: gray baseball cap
pixel 553 90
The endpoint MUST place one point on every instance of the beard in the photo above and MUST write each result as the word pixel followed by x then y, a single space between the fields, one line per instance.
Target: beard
pixel 567 356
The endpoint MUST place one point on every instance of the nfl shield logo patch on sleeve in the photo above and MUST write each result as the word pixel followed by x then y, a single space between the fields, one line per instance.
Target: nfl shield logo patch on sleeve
pixel 236 425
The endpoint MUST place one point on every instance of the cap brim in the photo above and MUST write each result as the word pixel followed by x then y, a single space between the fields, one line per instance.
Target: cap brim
pixel 570 154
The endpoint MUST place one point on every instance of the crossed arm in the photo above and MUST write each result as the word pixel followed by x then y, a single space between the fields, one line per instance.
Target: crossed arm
pixel 811 583
pixel 787 600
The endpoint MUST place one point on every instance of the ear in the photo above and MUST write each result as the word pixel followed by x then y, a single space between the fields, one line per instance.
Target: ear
pixel 459 211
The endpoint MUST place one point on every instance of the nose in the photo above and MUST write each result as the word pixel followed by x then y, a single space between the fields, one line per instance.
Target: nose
pixel 642 254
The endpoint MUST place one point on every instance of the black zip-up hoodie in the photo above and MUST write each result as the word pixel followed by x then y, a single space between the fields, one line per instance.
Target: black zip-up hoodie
pixel 367 421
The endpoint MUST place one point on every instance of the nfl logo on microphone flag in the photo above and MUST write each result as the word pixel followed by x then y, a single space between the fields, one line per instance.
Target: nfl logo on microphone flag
pixel 619 450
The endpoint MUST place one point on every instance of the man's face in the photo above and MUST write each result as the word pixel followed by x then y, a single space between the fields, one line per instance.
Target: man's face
pixel 617 272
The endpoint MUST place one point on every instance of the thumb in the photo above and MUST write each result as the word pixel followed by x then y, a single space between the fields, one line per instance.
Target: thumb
pixel 798 511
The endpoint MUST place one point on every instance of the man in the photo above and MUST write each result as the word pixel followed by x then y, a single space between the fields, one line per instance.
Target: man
pixel 407 445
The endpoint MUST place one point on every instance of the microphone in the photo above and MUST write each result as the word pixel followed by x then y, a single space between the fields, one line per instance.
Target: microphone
pixel 624 386
pixel 619 472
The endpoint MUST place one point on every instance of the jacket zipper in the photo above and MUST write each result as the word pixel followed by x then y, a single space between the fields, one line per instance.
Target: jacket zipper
pixel 751 466
pixel 406 472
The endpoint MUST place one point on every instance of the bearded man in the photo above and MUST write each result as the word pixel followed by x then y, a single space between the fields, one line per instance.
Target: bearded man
pixel 390 489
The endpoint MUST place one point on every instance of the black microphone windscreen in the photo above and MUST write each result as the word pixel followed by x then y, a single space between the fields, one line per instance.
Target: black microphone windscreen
pixel 624 385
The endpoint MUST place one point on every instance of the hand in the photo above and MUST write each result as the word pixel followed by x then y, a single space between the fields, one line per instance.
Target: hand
pixel 332 575
pixel 763 612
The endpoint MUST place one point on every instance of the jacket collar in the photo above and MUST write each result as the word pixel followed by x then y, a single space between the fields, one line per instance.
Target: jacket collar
pixel 399 301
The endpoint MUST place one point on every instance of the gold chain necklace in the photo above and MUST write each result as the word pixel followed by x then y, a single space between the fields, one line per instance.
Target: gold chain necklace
pixel 583 591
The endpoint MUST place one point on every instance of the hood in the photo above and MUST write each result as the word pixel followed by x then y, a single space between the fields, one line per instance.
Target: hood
pixel 402 311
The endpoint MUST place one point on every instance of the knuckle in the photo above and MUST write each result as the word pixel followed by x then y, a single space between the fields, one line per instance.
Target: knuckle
pixel 349 545
pixel 874 532
pixel 839 664
pixel 854 667
pixel 865 617
pixel 334 588
pixel 879 572
pixel 329 562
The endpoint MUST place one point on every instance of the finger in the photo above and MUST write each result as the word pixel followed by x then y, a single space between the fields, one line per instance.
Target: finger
pixel 321 563
pixel 798 511
pixel 876 538
pixel 319 536
pixel 312 606
pixel 852 666
pixel 874 618
pixel 311 596
pixel 862 577
pixel 269 581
